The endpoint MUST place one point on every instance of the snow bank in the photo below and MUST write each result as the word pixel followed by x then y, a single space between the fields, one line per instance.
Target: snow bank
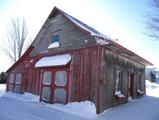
pixel 2 89
pixel 152 89
pixel 54 45
pixel 145 108
pixel 84 109
pixel 28 97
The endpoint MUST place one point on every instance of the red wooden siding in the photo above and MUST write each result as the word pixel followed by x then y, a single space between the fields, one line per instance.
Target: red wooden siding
pixel 84 74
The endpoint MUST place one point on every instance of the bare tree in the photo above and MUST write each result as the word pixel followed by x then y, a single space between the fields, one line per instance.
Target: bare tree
pixel 17 34
pixel 153 20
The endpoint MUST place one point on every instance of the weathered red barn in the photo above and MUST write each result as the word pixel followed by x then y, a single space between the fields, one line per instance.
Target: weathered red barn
pixel 70 61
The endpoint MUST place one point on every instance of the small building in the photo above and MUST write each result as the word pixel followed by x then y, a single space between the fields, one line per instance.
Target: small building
pixel 70 61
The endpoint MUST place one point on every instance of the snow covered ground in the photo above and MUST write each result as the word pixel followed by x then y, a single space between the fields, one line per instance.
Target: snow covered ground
pixel 2 89
pixel 27 107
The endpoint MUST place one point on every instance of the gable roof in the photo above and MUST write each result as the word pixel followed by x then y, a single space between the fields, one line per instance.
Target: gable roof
pixel 77 23
pixel 84 28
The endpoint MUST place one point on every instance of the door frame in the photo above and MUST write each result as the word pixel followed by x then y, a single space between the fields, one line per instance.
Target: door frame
pixel 14 82
pixel 131 76
pixel 52 85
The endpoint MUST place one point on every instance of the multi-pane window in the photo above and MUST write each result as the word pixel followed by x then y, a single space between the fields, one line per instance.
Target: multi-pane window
pixel 11 82
pixel 55 38
pixel 54 84
pixel 18 79
pixel 60 80
pixel 15 82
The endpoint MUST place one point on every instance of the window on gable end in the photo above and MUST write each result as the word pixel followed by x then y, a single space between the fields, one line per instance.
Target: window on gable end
pixel 55 38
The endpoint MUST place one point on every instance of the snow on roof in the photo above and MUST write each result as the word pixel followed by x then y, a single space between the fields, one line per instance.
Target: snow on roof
pixel 53 45
pixel 57 60
pixel 87 28
pixel 101 42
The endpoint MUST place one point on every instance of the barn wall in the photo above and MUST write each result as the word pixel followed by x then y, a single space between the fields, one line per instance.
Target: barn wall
pixel 20 68
pixel 84 74
pixel 111 62
pixel 86 83
pixel 70 36
pixel 33 76
pixel 83 69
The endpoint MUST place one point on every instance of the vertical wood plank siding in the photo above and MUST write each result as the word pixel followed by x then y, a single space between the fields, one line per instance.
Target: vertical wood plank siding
pixel 91 75
pixel 84 77
pixel 111 62
pixel 83 74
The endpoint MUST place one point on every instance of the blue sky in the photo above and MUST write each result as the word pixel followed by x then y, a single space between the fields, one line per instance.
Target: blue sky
pixel 121 19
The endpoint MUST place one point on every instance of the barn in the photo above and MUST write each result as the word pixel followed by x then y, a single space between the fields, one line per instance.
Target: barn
pixel 70 61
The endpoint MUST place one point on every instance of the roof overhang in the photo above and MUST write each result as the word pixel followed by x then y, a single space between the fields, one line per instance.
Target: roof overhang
pixel 27 52
pixel 122 51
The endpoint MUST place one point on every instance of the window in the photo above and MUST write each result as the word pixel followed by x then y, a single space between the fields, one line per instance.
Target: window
pixel 47 78
pixel 18 79
pixel 139 82
pixel 55 38
pixel 118 85
pixel 60 95
pixel 118 77
pixel 60 78
pixel 46 93
pixel 11 79
pixel 139 85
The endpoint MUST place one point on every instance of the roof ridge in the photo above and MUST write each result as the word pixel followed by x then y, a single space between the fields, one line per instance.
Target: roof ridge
pixel 83 25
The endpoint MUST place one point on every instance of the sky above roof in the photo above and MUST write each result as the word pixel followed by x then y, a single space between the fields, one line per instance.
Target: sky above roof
pixel 123 20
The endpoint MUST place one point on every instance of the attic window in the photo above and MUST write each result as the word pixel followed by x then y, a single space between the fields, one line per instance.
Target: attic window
pixel 54 41
pixel 55 38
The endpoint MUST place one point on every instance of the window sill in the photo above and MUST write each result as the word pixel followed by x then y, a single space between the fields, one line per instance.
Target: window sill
pixel 119 96
pixel 54 45
pixel 140 92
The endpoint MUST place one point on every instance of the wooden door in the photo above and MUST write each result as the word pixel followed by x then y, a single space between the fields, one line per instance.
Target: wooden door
pixel 54 85
pixel 46 83
pixel 17 83
pixel 130 85
pixel 14 82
